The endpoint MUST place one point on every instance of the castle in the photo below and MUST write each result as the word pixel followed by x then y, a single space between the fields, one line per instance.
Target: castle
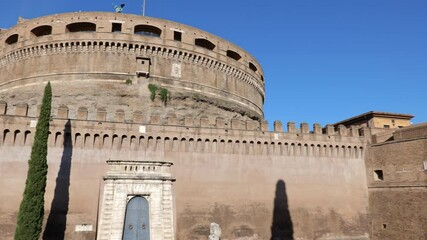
pixel 161 98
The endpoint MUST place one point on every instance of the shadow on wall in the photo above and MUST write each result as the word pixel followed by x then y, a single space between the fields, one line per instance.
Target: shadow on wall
pixel 282 228
pixel 57 220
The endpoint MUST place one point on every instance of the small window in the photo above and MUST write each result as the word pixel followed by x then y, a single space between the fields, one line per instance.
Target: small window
pixel 147 30
pixel 116 27
pixel 81 27
pixel 233 55
pixel 204 43
pixel 252 66
pixel 378 175
pixel 177 36
pixel 42 31
pixel 12 39
pixel 386 126
pixel 143 67
pixel 400 126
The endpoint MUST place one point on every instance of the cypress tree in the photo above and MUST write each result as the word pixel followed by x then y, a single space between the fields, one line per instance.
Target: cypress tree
pixel 31 210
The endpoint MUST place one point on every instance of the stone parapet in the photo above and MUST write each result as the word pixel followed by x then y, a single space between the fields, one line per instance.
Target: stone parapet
pixel 101 116
pixel 18 130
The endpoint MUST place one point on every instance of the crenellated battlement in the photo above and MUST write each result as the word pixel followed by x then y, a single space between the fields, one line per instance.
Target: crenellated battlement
pixel 102 115
pixel 152 133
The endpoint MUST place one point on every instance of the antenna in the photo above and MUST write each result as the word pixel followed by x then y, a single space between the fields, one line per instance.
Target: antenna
pixel 143 7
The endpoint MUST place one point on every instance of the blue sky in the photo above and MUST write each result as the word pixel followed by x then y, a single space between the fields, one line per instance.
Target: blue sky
pixel 323 60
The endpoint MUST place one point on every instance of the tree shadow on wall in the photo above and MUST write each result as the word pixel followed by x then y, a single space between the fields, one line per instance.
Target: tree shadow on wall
pixel 282 228
pixel 57 219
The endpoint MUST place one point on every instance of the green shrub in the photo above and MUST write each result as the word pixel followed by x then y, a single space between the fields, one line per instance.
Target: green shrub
pixel 153 90
pixel 164 95
pixel 128 81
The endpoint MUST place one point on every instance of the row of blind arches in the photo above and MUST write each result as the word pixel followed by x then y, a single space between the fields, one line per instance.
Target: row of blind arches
pixel 141 29
pixel 177 144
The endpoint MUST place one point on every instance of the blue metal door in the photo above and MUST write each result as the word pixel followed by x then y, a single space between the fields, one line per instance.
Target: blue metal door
pixel 137 225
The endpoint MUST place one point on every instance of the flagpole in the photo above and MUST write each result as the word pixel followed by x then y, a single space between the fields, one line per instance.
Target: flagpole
pixel 143 8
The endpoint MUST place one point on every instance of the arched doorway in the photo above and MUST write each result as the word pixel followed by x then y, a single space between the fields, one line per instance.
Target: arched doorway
pixel 137 225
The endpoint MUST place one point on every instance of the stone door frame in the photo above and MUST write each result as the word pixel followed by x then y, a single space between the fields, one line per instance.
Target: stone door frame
pixel 126 179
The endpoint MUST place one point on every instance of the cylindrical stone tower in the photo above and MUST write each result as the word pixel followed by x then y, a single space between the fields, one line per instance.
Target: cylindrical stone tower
pixel 100 66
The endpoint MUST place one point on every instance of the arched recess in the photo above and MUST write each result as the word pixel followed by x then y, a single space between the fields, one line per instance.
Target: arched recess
pixel 12 39
pixel 150 143
pixel 236 147
pixel 27 137
pixel 42 30
pixel 158 145
pixel 349 152
pixel 285 149
pixel 175 144
pixel 147 30
pixel 356 152
pixel 86 141
pixel 96 141
pixel 133 143
pixel 183 145
pixel 81 27
pixel 167 144
pixel 204 43
pixel 206 146
pixel 251 147
pixel 17 137
pixel 58 142
pixel 105 141
pixel 77 140
pixel 264 150
pixel 278 149
pixel 115 143
pixel 253 67
pixel 292 149
pixel 229 147
pixel 190 145
pixel 6 134
pixel 124 142
pixel 234 55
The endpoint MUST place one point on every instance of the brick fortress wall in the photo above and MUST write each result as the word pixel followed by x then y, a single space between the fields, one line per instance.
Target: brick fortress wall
pixel 397 178
pixel 227 172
